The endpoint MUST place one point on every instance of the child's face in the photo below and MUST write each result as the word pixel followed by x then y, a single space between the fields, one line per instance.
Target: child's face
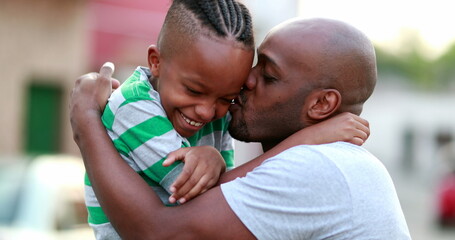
pixel 198 85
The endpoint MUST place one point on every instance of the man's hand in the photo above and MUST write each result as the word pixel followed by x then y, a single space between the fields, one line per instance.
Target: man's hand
pixel 90 94
pixel 202 169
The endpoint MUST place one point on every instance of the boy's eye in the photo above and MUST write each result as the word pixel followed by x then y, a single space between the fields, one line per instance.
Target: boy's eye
pixel 229 100
pixel 192 91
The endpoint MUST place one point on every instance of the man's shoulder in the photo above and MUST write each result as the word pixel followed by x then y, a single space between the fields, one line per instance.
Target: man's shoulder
pixel 334 145
pixel 324 158
pixel 329 150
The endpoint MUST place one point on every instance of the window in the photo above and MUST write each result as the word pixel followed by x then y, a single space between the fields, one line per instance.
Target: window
pixel 42 127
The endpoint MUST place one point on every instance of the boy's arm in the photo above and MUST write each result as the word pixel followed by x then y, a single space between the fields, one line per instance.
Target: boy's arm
pixel 188 184
pixel 345 127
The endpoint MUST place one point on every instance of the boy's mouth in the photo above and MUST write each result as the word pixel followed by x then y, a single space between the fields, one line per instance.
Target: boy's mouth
pixel 191 122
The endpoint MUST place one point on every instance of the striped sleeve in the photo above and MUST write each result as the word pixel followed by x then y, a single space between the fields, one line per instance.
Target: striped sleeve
pixel 227 144
pixel 216 134
pixel 146 137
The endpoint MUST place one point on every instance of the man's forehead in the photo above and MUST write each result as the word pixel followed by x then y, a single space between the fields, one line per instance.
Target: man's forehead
pixel 269 50
pixel 272 44
pixel 291 50
pixel 280 46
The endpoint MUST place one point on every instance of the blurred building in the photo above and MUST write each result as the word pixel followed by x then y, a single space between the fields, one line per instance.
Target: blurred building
pixel 121 31
pixel 42 49
pixel 45 45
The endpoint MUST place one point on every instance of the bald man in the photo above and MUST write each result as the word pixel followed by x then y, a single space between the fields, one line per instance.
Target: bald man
pixel 307 71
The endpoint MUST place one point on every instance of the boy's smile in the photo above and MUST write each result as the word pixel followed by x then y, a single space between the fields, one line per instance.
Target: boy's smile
pixel 197 86
pixel 191 122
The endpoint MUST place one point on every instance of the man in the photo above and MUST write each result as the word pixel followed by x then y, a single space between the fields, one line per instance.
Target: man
pixel 307 71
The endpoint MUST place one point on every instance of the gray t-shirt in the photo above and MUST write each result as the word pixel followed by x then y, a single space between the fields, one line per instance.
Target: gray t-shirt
pixel 331 191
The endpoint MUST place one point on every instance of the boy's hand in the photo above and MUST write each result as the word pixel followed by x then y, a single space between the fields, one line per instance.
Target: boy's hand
pixel 345 127
pixel 202 169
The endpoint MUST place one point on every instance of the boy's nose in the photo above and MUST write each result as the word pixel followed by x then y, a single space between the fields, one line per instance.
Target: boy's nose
pixel 206 111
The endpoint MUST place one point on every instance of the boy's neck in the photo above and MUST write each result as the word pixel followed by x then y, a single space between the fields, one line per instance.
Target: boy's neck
pixel 154 82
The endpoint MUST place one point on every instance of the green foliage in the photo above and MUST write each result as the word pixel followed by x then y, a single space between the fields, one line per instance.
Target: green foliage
pixel 411 63
pixel 445 67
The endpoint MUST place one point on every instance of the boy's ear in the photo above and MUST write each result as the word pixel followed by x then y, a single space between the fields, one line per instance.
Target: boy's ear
pixel 154 60
pixel 322 103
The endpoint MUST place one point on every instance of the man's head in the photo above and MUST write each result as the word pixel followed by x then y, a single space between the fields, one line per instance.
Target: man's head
pixel 202 59
pixel 307 71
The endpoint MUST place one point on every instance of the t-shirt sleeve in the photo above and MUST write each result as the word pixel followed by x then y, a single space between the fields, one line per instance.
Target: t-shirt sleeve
pixel 144 136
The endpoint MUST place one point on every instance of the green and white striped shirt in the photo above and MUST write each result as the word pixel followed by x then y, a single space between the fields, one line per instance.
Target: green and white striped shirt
pixel 137 124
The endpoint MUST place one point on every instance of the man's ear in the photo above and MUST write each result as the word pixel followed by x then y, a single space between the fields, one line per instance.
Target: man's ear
pixel 323 103
pixel 154 60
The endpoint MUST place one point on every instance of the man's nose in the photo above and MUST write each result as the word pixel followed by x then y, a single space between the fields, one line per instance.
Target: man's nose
pixel 206 111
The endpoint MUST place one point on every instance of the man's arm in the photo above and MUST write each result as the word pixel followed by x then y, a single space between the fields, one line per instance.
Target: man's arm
pixel 135 210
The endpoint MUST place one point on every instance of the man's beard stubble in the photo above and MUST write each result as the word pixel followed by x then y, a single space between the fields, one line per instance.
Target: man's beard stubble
pixel 238 129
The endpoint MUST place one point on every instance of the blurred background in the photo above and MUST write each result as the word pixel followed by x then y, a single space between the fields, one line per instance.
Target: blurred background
pixel 45 45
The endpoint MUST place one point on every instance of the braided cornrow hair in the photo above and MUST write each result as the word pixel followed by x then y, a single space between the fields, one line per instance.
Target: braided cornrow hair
pixel 213 18
pixel 226 17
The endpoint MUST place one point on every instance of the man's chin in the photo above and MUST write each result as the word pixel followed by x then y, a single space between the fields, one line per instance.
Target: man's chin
pixel 239 131
pixel 236 117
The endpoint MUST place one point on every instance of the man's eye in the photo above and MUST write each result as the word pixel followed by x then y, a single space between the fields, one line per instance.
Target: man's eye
pixel 268 79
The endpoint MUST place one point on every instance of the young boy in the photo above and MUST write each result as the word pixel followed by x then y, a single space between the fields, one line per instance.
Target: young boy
pixel 202 59
pixel 203 56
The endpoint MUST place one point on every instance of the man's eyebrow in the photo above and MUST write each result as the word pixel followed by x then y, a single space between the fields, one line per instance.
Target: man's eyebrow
pixel 268 60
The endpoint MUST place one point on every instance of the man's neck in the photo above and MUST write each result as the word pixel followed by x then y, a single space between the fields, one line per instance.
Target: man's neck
pixel 268 145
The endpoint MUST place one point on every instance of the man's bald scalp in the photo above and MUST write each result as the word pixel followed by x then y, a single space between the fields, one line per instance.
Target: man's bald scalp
pixel 345 61
pixel 350 63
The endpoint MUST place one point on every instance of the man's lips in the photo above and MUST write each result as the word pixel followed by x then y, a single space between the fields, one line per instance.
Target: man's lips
pixel 236 101
pixel 239 100
pixel 237 105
